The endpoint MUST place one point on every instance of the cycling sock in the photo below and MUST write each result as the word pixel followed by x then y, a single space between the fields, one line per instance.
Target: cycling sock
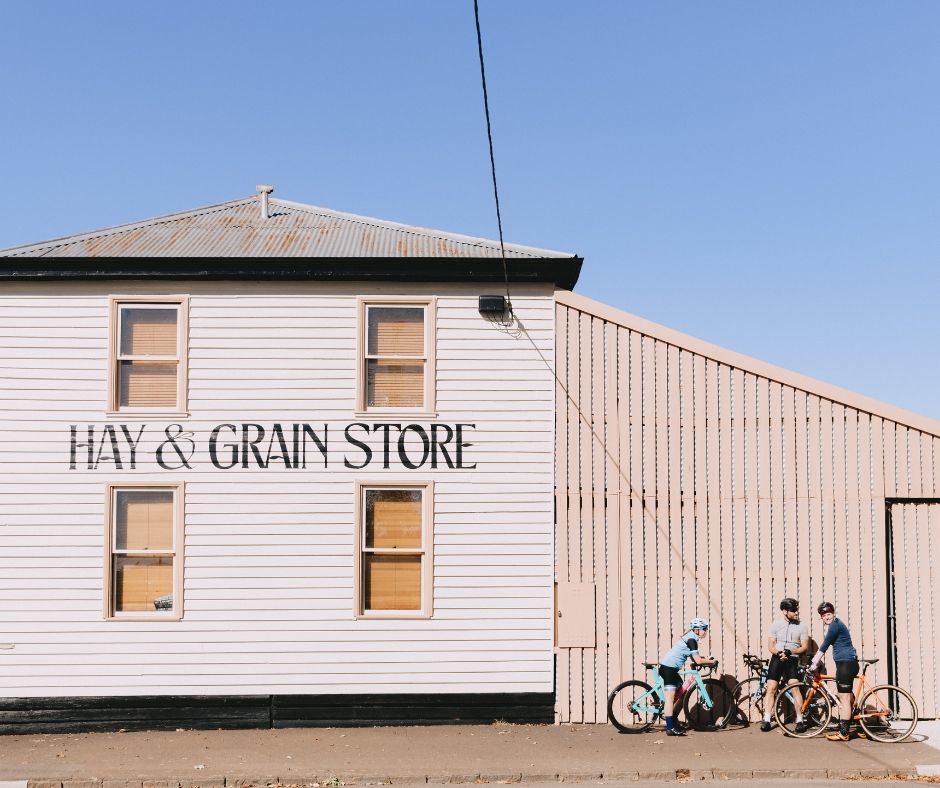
pixel 670 723
pixel 844 727
pixel 766 716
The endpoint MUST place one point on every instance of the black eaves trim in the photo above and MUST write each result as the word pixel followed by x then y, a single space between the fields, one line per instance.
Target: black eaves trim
pixel 562 271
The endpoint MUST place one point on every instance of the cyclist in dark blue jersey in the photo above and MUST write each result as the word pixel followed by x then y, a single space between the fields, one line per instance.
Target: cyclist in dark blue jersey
pixel 846 659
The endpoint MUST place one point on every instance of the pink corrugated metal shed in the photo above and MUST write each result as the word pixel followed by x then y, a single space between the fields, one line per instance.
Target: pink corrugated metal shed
pixel 237 229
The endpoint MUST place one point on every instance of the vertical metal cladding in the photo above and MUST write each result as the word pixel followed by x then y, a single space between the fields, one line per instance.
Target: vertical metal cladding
pixel 695 483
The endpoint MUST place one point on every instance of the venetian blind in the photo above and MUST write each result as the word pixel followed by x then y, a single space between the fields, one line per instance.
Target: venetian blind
pixel 144 520
pixel 139 582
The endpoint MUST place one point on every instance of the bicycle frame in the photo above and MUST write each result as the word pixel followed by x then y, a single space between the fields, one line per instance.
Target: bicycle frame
pixel 659 688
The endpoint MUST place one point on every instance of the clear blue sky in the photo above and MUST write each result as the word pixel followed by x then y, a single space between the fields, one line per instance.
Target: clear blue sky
pixel 765 176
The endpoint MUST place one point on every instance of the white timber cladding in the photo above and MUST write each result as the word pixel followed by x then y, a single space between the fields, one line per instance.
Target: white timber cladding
pixel 692 481
pixel 268 575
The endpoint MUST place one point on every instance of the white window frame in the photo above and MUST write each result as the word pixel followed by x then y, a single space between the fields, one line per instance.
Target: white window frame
pixel 426 551
pixel 111 491
pixel 116 305
pixel 429 408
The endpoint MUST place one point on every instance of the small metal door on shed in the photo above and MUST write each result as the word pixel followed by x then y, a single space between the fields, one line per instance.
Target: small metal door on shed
pixel 576 626
pixel 914 601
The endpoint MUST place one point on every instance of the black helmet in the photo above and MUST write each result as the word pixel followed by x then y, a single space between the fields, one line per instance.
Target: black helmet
pixel 825 607
pixel 790 604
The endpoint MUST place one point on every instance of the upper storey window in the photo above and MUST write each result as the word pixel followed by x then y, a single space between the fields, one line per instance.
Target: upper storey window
pixel 397 358
pixel 148 358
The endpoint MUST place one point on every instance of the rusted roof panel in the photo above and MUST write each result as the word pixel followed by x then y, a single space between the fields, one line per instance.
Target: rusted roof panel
pixel 237 229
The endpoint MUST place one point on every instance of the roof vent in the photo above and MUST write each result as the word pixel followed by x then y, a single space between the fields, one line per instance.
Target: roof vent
pixel 264 190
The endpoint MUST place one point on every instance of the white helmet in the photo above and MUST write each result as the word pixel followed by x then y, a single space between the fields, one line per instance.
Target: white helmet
pixel 698 623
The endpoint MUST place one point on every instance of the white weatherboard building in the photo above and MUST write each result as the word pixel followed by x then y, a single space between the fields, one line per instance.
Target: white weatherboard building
pixel 269 464
pixel 302 466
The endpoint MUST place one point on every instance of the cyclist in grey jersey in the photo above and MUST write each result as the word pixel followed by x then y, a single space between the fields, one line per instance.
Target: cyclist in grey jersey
pixel 787 639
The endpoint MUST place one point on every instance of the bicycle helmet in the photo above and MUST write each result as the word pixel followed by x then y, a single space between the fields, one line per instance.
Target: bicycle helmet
pixel 789 604
pixel 698 623
pixel 825 607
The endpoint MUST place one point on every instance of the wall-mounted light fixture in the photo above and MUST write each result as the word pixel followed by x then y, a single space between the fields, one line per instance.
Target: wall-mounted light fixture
pixel 492 304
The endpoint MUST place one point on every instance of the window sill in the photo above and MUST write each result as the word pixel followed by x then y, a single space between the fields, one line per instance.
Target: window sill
pixel 391 616
pixel 150 414
pixel 388 414
pixel 170 618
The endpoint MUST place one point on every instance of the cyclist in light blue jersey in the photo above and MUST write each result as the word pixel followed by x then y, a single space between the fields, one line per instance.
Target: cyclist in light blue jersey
pixel 669 666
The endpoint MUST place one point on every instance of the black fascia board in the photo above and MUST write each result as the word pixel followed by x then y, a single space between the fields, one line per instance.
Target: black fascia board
pixel 562 271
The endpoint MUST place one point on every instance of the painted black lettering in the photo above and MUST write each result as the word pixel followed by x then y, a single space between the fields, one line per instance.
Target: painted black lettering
pixel 252 444
pixel 277 433
pixel 364 446
pixel 461 445
pixel 384 428
pixel 231 447
pixel 89 447
pixel 132 442
pixel 115 457
pixel 436 444
pixel 321 444
pixel 425 442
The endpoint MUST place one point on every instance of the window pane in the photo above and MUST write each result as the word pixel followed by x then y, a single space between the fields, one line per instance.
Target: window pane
pixel 392 582
pixel 396 331
pixel 392 384
pixel 148 384
pixel 148 332
pixel 142 584
pixel 143 520
pixel 393 518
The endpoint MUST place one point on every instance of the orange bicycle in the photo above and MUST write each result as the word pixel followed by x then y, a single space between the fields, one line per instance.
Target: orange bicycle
pixel 886 713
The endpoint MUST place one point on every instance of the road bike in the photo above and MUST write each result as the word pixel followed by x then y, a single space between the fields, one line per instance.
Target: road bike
pixel 634 706
pixel 887 713
pixel 748 694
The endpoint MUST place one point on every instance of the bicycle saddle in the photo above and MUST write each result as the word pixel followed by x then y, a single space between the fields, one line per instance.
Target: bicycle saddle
pixel 650 665
pixel 868 661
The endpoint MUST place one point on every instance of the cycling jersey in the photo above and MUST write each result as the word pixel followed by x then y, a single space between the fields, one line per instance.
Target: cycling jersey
pixel 839 638
pixel 685 647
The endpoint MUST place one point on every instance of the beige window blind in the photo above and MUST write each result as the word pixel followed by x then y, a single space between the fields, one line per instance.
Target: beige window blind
pixel 148 358
pixel 143 550
pixel 393 549
pixel 396 356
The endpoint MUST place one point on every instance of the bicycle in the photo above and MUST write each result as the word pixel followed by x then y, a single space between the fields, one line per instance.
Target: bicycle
pixel 887 713
pixel 748 694
pixel 634 706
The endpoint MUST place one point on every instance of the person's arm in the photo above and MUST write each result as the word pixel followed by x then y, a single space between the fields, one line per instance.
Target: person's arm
pixel 772 645
pixel 824 646
pixel 804 644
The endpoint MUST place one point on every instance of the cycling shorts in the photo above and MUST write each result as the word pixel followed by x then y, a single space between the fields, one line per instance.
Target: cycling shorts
pixel 781 671
pixel 846 671
pixel 670 677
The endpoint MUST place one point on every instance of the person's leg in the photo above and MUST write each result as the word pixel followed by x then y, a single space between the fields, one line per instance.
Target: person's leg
pixel 770 695
pixel 670 677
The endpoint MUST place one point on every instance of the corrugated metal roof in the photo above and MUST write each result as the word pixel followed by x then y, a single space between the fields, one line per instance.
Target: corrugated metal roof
pixel 236 229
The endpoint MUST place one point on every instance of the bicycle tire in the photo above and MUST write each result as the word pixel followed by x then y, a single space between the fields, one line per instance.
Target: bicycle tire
pixel 750 707
pixel 816 709
pixel 621 709
pixel 699 715
pixel 887 713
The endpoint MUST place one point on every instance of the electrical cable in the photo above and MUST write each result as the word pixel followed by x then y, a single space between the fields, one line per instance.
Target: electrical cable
pixel 489 136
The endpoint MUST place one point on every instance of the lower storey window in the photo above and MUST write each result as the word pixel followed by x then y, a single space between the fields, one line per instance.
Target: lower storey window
pixel 394 549
pixel 144 574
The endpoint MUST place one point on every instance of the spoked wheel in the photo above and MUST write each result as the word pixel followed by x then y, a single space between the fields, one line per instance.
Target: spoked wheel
pixel 750 704
pixel 711 712
pixel 806 701
pixel 633 707
pixel 887 713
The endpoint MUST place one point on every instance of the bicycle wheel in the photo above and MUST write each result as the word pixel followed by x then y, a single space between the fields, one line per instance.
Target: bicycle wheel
pixel 887 713
pixel 750 704
pixel 710 711
pixel 633 707
pixel 806 700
